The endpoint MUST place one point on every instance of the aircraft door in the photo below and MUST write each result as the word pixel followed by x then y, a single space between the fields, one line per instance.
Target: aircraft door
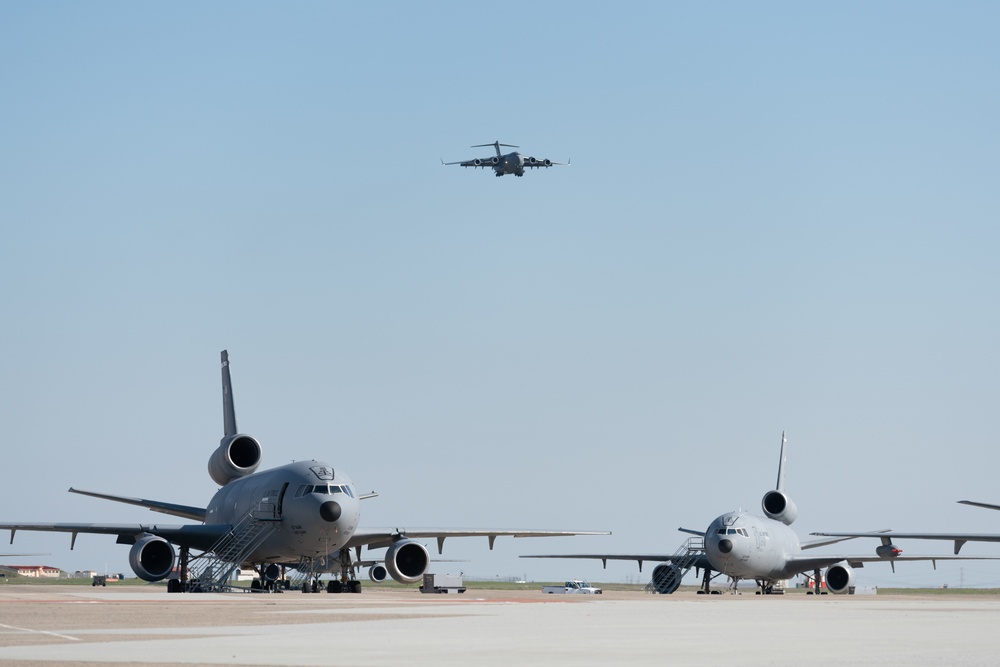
pixel 281 499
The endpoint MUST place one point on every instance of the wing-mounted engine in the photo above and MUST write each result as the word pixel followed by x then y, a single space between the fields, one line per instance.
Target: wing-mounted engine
pixel 237 456
pixel 778 506
pixel 839 578
pixel 377 573
pixel 151 558
pixel 407 561
pixel 666 578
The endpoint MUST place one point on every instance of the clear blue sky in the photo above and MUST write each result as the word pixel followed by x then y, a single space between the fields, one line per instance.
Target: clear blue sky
pixel 779 216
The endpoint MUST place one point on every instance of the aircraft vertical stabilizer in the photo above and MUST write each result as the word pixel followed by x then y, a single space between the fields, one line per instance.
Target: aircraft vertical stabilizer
pixel 780 486
pixel 228 410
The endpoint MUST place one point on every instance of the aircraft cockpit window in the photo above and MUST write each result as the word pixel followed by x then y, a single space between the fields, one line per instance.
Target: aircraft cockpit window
pixel 303 490
pixel 348 491
pixel 743 532
pixel 321 490
pixel 721 531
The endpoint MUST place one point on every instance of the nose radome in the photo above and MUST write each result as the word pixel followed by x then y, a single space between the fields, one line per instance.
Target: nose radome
pixel 725 545
pixel 330 511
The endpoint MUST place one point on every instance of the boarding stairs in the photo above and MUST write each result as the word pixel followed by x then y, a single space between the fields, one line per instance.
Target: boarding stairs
pixel 212 570
pixel 667 577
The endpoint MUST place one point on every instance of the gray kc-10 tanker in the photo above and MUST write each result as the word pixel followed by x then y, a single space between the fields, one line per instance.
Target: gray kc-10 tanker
pixel 511 163
pixel 304 515
pixel 741 545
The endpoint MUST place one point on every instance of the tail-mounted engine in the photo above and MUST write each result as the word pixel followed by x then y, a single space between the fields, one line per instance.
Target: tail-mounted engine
pixel 407 561
pixel 151 558
pixel 778 506
pixel 839 579
pixel 237 456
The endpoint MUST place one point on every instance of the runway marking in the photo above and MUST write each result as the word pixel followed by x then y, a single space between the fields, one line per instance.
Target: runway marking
pixel 40 632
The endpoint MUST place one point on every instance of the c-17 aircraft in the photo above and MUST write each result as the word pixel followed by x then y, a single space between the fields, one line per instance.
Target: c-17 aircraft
pixel 958 538
pixel 763 548
pixel 304 515
pixel 511 163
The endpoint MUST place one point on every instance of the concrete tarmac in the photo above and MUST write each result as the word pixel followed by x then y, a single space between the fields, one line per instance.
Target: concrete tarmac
pixel 52 626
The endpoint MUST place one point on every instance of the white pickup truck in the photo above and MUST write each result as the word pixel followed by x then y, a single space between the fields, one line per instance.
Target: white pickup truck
pixel 575 586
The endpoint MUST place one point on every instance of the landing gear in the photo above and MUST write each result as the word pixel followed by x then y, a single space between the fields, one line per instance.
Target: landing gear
pixel 706 581
pixel 817 581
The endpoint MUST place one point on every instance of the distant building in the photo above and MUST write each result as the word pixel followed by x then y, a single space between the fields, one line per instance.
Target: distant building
pixel 37 571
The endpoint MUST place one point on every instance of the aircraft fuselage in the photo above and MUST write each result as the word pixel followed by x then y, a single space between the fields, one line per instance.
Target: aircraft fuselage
pixel 746 546
pixel 315 508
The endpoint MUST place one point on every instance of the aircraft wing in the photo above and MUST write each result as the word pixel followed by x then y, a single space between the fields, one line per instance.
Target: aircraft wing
pixel 958 538
pixel 196 536
pixel 379 538
pixel 700 561
pixel 183 511
pixel 800 564
pixel 541 162
pixel 483 163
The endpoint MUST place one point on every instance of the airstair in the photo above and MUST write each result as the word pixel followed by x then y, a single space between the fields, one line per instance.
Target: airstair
pixel 212 570
pixel 667 576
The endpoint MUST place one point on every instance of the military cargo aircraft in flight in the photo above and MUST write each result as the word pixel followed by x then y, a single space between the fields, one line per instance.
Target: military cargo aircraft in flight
pixel 304 515
pixel 511 163
pixel 958 538
pixel 741 545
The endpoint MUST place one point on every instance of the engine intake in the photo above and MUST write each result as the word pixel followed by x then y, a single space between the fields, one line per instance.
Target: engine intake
pixel 840 579
pixel 151 558
pixel 666 578
pixel 377 573
pixel 778 506
pixel 406 561
pixel 237 456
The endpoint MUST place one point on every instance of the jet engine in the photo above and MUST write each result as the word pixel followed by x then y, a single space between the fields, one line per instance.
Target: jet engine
pixel 406 561
pixel 666 578
pixel 888 551
pixel 377 573
pixel 547 162
pixel 839 579
pixel 778 506
pixel 477 162
pixel 532 160
pixel 495 160
pixel 237 456
pixel 151 558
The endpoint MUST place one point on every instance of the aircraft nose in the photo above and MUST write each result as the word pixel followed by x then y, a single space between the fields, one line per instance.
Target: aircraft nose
pixel 725 545
pixel 330 511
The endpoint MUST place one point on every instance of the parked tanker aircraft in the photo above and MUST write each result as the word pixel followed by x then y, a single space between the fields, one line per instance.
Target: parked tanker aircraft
pixel 511 163
pixel 304 515
pixel 763 548
pixel 958 538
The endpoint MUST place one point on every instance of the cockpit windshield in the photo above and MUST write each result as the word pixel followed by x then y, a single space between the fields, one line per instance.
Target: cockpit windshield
pixel 323 490
pixel 733 531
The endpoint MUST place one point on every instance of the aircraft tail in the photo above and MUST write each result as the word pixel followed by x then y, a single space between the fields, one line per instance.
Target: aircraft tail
pixel 495 144
pixel 780 486
pixel 228 410
pixel 238 454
